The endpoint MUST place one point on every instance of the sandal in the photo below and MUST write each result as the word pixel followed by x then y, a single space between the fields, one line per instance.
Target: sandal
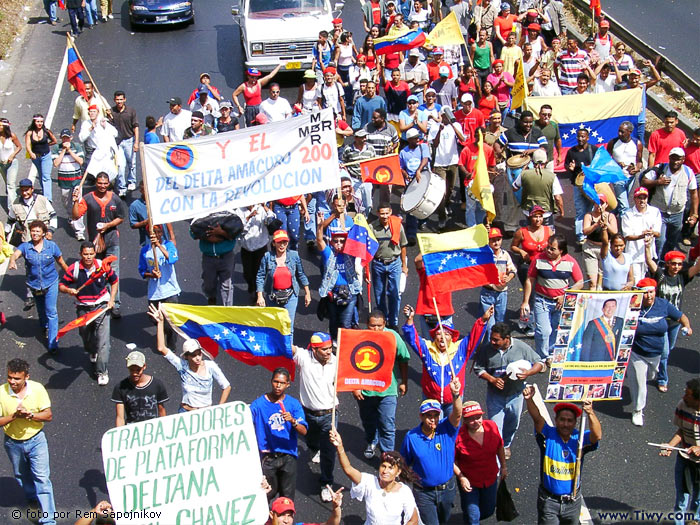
pixel 662 388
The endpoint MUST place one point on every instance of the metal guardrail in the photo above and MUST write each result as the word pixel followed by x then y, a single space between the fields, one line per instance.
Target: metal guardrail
pixel 665 65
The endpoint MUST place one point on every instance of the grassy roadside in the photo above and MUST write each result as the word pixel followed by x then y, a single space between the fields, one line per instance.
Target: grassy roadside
pixel 11 21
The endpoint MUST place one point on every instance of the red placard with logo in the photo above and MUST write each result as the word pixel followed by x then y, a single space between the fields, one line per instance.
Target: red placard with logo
pixel 365 360
pixel 383 170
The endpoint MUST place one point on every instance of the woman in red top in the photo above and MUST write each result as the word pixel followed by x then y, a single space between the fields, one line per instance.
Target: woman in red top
pixel 425 308
pixel 503 26
pixel 478 452
pixel 251 90
pixel 528 241
pixel 468 82
pixel 367 49
pixel 488 101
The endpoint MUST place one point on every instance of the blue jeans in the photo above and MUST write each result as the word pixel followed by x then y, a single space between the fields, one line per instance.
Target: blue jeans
pixel 91 12
pixel 412 225
pixel 568 91
pixel 474 213
pixel 43 167
pixel 310 227
pixel 622 191
pixel 30 464
pixel 386 279
pixel 669 344
pixel 685 501
pixel 378 415
pixel 51 8
pixel 96 338
pixel 499 300
pixel 505 412
pixel 478 504
pixel 48 315
pixel 340 316
pixel 290 218
pixel 127 171
pixel 546 323
pixel 77 19
pixel 435 506
pixel 582 206
pixel 671 226
pixel 318 438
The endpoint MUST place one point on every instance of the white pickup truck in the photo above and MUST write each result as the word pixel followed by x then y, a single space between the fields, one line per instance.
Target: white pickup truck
pixel 282 31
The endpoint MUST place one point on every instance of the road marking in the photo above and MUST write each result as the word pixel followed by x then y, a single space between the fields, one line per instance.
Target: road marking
pixel 48 119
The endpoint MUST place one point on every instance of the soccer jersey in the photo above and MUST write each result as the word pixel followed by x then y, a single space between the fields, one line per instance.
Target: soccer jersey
pixel 558 458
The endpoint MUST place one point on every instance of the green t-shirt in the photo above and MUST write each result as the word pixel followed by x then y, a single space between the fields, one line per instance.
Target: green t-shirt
pixel 402 356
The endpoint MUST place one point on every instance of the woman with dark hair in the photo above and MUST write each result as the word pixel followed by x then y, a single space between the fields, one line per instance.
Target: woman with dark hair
pixel 344 57
pixel 38 141
pixel 478 453
pixel 387 495
pixel 487 101
pixel 469 82
pixel 549 276
pixel 10 147
pixel 40 256
pixel 367 49
pixel 251 90
pixel 615 264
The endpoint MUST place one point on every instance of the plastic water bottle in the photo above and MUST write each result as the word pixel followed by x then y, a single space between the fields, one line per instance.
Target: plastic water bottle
pixel 684 330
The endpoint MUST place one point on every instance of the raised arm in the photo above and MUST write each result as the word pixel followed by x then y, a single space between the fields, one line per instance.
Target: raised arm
pixel 157 316
pixel 350 471
pixel 533 409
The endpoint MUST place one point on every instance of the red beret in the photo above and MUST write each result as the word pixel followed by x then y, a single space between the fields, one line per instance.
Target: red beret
pixel 674 254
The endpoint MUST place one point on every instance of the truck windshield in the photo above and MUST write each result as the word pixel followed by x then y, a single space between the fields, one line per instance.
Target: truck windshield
pixel 287 6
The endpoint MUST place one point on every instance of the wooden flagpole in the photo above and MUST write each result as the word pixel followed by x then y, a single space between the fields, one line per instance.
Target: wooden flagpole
pixel 335 383
pixel 148 205
pixel 579 454
pixel 442 331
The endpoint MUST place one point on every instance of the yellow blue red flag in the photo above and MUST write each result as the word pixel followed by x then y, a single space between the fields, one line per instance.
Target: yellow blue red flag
pixel 253 335
pixel 361 241
pixel 458 260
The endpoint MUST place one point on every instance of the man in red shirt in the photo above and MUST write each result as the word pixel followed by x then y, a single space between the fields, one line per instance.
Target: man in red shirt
pixel 663 140
pixel 470 118
pixel 467 163
pixel 435 64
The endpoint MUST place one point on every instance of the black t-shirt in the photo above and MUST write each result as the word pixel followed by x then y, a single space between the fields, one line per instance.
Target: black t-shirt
pixel 579 157
pixel 140 403
pixel 222 127
pixel 671 288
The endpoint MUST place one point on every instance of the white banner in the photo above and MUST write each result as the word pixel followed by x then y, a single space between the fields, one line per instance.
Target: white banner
pixel 220 172
pixel 186 468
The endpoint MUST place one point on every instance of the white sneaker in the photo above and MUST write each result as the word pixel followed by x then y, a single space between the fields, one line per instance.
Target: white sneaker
pixel 93 358
pixel 638 418
pixel 131 186
pixel 80 236
pixel 326 495
pixel 316 458
pixel 111 17
pixel 122 193
pixel 102 379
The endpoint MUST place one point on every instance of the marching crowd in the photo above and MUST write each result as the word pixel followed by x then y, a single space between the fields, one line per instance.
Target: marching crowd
pixel 432 106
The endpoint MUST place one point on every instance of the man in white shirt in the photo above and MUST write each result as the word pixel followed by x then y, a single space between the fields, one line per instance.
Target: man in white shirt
pixel 444 141
pixel 415 73
pixel 176 122
pixel 316 372
pixel 207 105
pixel 543 85
pixel 275 107
pixel 80 108
pixel 100 137
pixel 638 222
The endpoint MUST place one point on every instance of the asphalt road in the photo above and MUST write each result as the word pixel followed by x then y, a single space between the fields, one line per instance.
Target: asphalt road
pixel 624 474
pixel 669 27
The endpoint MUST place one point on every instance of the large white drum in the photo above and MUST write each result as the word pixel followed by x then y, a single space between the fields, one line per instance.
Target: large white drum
pixel 421 199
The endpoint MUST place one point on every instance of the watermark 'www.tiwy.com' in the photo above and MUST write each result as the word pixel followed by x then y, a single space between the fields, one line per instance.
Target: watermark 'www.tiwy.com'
pixel 644 515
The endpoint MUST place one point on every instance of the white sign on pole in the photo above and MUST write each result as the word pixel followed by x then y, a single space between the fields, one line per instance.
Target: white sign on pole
pixel 200 176
pixel 182 469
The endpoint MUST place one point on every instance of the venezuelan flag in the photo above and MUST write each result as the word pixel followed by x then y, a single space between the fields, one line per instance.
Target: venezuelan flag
pixel 600 113
pixel 361 241
pixel 458 260
pixel 75 66
pixel 255 336
pixel 393 44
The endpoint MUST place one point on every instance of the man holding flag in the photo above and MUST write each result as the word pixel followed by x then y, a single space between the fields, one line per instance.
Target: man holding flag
pixel 86 280
pixel 389 263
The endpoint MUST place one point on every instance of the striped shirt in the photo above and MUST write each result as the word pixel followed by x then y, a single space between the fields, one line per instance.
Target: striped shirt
pixel 688 422
pixel 552 279
pixel 570 67
pixel 94 293
pixel 515 142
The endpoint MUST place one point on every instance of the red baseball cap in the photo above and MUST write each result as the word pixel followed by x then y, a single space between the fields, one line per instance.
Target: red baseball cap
pixel 495 233
pixel 282 505
pixel 472 408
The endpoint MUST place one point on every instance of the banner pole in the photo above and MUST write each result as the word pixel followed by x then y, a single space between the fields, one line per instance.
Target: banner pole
pixel 335 383
pixel 148 204
pixel 442 331
pixel 579 454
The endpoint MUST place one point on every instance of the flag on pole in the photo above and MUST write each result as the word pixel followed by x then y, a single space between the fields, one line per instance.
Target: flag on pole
pixel 255 336
pixel 105 266
pixel 596 7
pixel 395 43
pixel 83 320
pixel 446 32
pixel 75 67
pixel 365 360
pixel 382 170
pixel 361 241
pixel 519 91
pixel 602 169
pixel 481 186
pixel 458 260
